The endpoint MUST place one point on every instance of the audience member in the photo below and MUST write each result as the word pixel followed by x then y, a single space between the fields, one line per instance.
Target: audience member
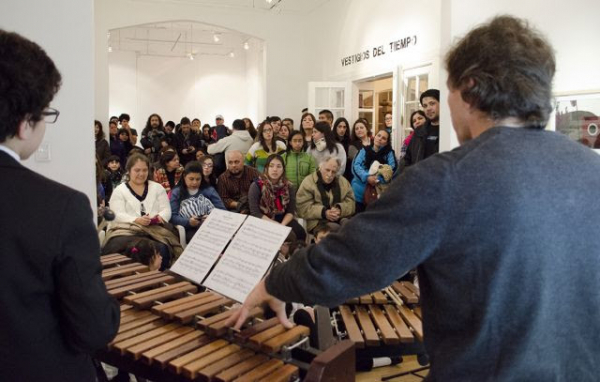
pixel 380 151
pixel 425 141
pixel 298 164
pixel 103 184
pixel 208 174
pixel 124 121
pixel 321 232
pixel 153 137
pixel 169 171
pixel 272 197
pixel 170 134
pixel 207 135
pixel 125 138
pixel 307 125
pixel 417 119
pixel 196 125
pixel 144 251
pixel 289 123
pixel 275 123
pixel 326 116
pixel 250 128
pixel 239 140
pixel 113 166
pixel 102 147
pixel 324 197
pixel 188 142
pixel 265 146
pixel 388 122
pixel 116 146
pixel 145 204
pixel 189 206
pixel 220 131
pixel 233 184
pixel 341 132
pixel 284 134
pixel 324 145
pixel 361 137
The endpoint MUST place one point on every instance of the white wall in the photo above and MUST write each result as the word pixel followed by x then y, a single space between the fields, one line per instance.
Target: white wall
pixel 286 47
pixel 176 87
pixel 571 27
pixel 64 28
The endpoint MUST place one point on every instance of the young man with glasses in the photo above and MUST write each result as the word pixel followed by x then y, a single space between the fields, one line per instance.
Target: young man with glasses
pixel 56 310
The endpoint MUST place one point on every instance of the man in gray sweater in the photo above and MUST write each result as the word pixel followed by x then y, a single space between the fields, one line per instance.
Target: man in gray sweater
pixel 503 229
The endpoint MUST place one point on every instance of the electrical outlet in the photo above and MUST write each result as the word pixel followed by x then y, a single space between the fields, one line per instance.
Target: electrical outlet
pixel 43 152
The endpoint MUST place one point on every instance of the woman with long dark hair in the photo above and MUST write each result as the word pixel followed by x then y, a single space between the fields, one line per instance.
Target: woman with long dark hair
pixel 208 174
pixel 266 145
pixel 102 147
pixel 324 145
pixel 168 174
pixel 250 127
pixel 417 119
pixel 307 124
pixel 272 197
pixel 380 151
pixel 341 132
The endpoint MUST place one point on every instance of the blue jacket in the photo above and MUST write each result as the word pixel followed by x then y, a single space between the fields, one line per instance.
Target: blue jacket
pixel 361 173
pixel 208 192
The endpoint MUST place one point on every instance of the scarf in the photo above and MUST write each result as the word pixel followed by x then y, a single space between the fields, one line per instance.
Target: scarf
pixel 372 155
pixel 324 188
pixel 274 198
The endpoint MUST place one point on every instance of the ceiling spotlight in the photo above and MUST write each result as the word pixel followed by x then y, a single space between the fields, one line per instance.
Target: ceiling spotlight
pixel 216 37
pixel 246 45
pixel 109 49
pixel 231 54
pixel 269 1
pixel 191 56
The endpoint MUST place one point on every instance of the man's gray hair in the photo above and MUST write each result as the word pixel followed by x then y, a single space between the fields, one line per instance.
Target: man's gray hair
pixel 328 158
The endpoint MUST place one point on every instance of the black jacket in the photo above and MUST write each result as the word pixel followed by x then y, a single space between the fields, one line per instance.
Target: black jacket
pixel 416 149
pixel 55 307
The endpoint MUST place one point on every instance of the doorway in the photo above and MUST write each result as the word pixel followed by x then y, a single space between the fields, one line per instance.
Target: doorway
pixel 375 100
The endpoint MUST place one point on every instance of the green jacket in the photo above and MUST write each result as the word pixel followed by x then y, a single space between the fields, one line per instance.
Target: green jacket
pixel 298 166
pixel 309 205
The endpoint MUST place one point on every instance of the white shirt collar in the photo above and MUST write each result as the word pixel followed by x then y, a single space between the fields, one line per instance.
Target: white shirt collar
pixel 10 152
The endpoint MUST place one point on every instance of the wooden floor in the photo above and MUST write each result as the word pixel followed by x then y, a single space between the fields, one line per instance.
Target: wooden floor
pixel 409 363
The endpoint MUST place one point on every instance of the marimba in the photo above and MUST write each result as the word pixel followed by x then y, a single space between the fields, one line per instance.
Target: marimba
pixel 171 331
pixel 384 323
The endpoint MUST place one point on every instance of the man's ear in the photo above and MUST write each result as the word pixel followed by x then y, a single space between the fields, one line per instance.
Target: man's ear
pixel 24 130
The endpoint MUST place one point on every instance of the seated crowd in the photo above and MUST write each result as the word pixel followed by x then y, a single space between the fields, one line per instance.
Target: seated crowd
pixel 312 179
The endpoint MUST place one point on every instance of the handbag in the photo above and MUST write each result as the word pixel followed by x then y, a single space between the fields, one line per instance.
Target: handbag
pixel 370 194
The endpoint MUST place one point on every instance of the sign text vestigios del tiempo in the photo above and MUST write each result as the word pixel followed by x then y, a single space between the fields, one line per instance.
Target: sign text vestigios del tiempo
pixel 381 50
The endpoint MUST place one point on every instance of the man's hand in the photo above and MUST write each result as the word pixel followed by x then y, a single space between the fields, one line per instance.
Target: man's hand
pixel 259 296
pixel 332 214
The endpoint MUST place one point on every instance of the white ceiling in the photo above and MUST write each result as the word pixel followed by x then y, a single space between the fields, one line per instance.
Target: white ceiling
pixel 185 38
pixel 179 39
pixel 280 6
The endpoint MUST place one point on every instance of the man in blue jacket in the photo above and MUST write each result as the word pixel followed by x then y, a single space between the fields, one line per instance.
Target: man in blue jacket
pixel 503 229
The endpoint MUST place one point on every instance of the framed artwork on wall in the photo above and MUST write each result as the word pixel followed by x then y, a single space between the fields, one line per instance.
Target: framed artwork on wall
pixel 578 116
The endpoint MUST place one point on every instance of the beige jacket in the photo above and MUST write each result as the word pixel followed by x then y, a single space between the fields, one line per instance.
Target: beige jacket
pixel 310 207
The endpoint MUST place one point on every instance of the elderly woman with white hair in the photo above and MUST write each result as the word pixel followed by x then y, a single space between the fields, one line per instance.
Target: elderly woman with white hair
pixel 325 198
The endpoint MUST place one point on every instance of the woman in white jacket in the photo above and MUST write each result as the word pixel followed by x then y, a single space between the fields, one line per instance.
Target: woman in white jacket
pixel 140 201
pixel 324 145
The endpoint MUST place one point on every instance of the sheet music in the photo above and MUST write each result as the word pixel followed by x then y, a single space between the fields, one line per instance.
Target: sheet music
pixel 247 258
pixel 208 243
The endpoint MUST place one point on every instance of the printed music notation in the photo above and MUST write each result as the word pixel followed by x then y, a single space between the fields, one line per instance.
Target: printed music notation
pixel 246 259
pixel 207 244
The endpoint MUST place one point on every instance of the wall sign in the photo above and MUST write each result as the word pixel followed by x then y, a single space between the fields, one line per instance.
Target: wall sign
pixel 379 51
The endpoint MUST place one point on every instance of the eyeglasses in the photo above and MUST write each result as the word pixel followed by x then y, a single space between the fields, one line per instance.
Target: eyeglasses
pixel 207 165
pixel 50 115
pixel 267 131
